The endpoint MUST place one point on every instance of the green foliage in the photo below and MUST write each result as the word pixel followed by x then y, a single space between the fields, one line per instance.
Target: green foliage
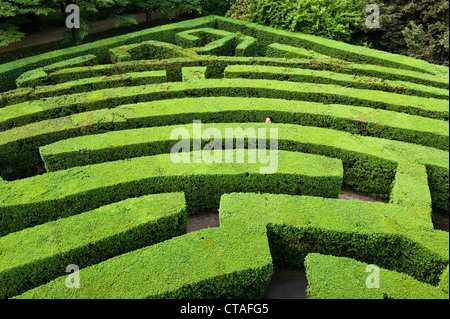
pixel 211 263
pixel 218 7
pixel 171 8
pixel 87 239
pixel 326 18
pixel 391 236
pixel 35 77
pixel 415 28
pixel 419 29
pixel 375 175
pixel 332 277
pixel 194 74
pixel 19 148
pixel 217 65
pixel 53 107
pixel 9 72
pixel 264 36
pixel 326 77
pixel 240 9
pixel 202 183
pixel 432 45
pixel 331 48
pixel 148 50
pixel 444 281
pixel 411 187
pixel 373 121
pixel 12 15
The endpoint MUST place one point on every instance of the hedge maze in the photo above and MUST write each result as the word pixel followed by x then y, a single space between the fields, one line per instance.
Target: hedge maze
pixel 87 177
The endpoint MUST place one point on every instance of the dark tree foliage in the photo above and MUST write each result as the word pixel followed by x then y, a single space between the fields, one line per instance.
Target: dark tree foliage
pixel 416 28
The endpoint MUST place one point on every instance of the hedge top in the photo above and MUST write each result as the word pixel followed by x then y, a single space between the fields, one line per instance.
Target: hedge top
pixel 77 231
pixel 264 35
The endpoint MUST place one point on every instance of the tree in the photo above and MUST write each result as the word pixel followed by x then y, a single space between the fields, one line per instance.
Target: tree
pixel 13 13
pixel 170 8
pixel 410 27
pixel 88 13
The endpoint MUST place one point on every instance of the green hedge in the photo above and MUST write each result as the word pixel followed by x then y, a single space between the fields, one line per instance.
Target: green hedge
pixel 411 187
pixel 148 50
pixel 369 166
pixel 194 74
pixel 326 77
pixel 217 65
pixel 38 110
pixel 246 47
pixel 87 239
pixel 33 201
pixel 276 50
pixel 208 41
pixel 343 278
pixel 211 263
pixel 117 145
pixel 9 72
pixel 185 267
pixel 335 49
pixel 443 284
pixel 235 71
pixel 32 78
pixel 264 35
pixel 85 85
pixel 370 163
pixel 438 180
pixel 391 236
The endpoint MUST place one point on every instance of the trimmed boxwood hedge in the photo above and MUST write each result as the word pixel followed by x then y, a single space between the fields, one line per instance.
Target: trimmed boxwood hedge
pixel 32 201
pixel 211 263
pixel 256 70
pixel 38 110
pixel 336 49
pixel 367 104
pixel 392 236
pixel 217 65
pixel 355 120
pixel 33 77
pixel 194 74
pixel 374 176
pixel 332 277
pixel 185 267
pixel 246 46
pixel 276 50
pixel 9 72
pixel 370 164
pixel 327 77
pixel 118 145
pixel 208 41
pixel 411 187
pixel 443 284
pixel 84 85
pixel 87 239
pixel 148 50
